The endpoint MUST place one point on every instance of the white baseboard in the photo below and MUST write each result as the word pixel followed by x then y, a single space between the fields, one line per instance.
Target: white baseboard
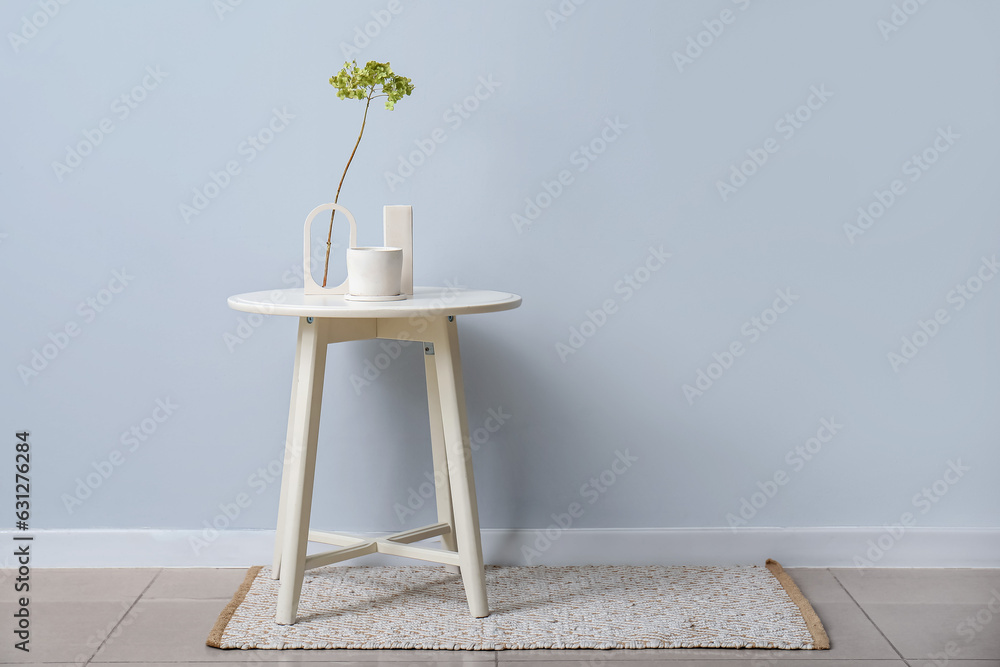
pixel 792 547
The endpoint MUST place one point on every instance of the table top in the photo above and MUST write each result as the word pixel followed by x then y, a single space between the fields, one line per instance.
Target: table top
pixel 426 301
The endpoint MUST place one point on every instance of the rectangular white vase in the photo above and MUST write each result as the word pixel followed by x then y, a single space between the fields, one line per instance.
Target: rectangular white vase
pixel 397 231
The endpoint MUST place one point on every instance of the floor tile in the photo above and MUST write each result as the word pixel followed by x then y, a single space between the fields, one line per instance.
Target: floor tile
pixel 923 631
pixel 175 631
pixel 914 585
pixel 64 631
pixel 737 660
pixel 196 584
pixel 81 585
pixel 818 584
pixel 374 658
pixel 321 657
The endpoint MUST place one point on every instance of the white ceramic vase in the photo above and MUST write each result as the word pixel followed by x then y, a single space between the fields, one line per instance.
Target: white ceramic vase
pixel 374 273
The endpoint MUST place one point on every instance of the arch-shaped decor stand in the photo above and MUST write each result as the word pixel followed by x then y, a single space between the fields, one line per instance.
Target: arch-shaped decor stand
pixel 397 229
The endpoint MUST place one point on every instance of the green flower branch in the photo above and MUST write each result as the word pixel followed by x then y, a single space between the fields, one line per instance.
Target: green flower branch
pixel 373 81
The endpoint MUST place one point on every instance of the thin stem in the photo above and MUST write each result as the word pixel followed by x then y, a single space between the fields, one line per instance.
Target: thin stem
pixel 329 234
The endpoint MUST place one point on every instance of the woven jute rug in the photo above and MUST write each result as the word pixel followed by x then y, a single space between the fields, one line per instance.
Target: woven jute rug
pixel 598 607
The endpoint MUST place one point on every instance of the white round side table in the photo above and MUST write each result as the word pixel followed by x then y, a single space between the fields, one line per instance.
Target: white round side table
pixel 429 316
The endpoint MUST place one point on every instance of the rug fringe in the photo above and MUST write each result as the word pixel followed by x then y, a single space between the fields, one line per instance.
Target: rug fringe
pixel 820 638
pixel 215 636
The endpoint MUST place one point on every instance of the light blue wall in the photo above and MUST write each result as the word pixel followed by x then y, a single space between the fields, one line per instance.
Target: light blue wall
pixel 557 86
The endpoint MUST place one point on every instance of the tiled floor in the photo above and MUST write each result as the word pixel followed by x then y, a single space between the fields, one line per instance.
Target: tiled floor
pixel 152 617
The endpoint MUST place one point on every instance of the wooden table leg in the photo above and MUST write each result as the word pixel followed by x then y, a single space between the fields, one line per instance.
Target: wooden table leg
pixel 286 458
pixel 442 483
pixel 300 466
pixel 451 392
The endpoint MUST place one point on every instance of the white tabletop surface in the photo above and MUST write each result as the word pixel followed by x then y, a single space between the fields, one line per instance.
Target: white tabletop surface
pixel 424 302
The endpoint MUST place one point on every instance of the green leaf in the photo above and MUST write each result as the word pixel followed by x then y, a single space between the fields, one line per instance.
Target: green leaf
pixel 375 78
